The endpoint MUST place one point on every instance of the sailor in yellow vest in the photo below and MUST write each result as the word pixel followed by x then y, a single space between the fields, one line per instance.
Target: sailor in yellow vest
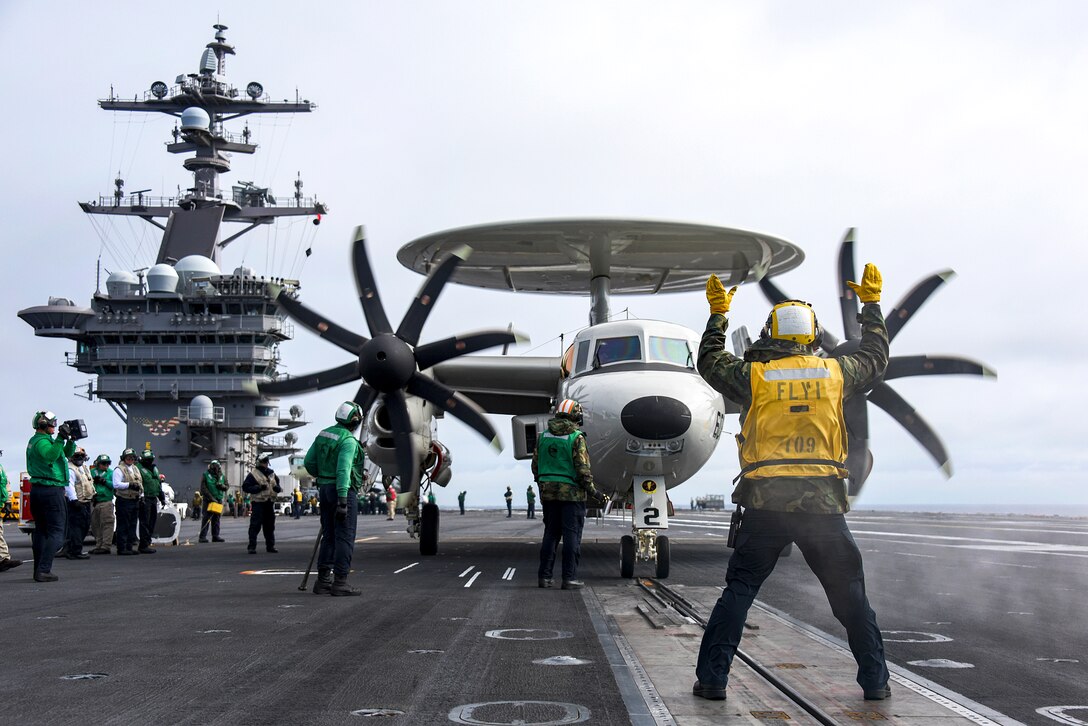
pixel 793 447
pixel 128 484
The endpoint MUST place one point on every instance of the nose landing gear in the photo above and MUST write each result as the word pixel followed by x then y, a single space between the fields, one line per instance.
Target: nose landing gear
pixel 646 545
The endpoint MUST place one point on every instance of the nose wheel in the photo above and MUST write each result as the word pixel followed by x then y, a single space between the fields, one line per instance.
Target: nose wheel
pixel 646 545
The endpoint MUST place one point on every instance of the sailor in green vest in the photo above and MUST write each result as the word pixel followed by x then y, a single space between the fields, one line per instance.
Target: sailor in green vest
pixel 102 518
pixel 47 464
pixel 793 447
pixel 562 472
pixel 335 460
pixel 461 501
pixel 153 497
pixel 213 490
pixel 530 498
pixel 6 562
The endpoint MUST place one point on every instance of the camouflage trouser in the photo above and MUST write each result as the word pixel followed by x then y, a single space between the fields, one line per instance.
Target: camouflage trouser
pixel 102 524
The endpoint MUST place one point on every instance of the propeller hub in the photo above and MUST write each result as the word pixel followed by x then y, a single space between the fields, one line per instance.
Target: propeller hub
pixel 386 362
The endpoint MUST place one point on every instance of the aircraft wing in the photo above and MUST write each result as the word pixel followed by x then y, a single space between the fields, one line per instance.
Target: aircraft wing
pixel 509 385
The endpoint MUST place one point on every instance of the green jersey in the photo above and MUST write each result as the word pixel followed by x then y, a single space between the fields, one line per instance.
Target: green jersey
pixel 336 457
pixel 47 460
pixel 152 482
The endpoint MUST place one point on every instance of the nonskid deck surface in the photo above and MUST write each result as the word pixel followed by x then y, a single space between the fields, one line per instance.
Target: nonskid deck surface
pixel 186 637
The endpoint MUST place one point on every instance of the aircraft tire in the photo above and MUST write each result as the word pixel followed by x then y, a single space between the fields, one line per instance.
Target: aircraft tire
pixel 627 556
pixel 662 557
pixel 428 530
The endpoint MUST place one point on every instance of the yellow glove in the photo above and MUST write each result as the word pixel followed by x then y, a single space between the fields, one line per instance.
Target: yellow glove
pixel 716 295
pixel 871 282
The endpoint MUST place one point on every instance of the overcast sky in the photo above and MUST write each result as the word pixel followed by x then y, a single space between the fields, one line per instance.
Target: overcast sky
pixel 951 134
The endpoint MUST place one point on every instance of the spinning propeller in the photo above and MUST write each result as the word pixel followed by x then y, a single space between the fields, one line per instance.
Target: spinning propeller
pixel 389 363
pixel 860 459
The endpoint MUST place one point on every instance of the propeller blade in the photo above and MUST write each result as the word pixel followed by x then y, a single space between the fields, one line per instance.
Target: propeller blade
pixel 848 301
pixel 913 300
pixel 367 288
pixel 771 291
pixel 862 463
pixel 441 350
pixel 924 365
pixel 311 320
pixel 454 403
pixel 885 398
pixel 403 441
pixel 365 397
pixel 312 382
pixel 412 323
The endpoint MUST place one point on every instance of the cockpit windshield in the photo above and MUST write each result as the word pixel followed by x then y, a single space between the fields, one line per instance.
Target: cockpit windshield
pixel 670 350
pixel 617 350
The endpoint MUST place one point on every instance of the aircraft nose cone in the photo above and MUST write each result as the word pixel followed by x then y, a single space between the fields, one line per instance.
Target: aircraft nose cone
pixel 656 418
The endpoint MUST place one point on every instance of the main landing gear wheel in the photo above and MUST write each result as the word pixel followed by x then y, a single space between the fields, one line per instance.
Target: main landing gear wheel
pixel 662 557
pixel 428 530
pixel 627 556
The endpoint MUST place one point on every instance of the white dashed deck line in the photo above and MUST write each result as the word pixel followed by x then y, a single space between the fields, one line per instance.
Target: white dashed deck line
pixel 397 572
pixel 473 578
pixel 470 569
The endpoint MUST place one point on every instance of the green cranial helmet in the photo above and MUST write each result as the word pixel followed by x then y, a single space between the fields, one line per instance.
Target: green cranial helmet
pixel 214 465
pixel 349 414
pixel 147 455
pixel 127 453
pixel 103 459
pixel 44 418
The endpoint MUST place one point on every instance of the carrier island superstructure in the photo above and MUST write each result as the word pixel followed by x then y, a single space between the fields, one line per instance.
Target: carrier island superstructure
pixel 177 346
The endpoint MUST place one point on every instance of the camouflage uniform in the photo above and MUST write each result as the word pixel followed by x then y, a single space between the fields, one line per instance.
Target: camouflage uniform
pixel 729 375
pixel 784 509
pixel 564 506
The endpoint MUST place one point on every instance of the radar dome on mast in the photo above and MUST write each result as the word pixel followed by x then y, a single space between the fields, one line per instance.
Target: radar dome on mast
pixel 195 266
pixel 195 118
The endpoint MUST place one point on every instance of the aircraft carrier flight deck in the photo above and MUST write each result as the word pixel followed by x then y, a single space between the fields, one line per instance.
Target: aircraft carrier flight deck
pixel 982 618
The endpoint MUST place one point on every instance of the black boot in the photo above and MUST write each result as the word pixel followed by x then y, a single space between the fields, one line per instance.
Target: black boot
pixel 323 583
pixel 341 588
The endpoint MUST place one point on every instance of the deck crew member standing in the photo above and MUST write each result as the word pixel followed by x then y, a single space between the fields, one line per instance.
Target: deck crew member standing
pixel 461 501
pixel 6 562
pixel 128 484
pixel 152 498
pixel 80 493
pixel 336 462
pixel 262 485
pixel 793 445
pixel 102 518
pixel 509 497
pixel 213 489
pixel 530 498
pixel 562 472
pixel 46 463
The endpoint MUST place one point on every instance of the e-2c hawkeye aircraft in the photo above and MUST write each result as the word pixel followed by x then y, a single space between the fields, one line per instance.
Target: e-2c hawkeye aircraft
pixel 651 422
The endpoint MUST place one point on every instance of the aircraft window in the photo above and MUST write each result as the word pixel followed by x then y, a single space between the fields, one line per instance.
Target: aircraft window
pixel 617 350
pixel 581 358
pixel 670 350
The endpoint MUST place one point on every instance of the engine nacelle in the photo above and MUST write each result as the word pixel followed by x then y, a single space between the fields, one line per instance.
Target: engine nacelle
pixel 380 448
pixel 437 464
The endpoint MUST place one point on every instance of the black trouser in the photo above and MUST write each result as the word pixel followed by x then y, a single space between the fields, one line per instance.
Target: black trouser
pixel 562 520
pixel 509 507
pixel 49 507
pixel 149 515
pixel 337 538
pixel 128 515
pixel 531 512
pixel 208 518
pixel 462 506
pixel 831 554
pixel 79 521
pixel 263 517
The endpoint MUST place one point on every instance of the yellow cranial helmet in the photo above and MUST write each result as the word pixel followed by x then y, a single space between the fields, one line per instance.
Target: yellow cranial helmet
pixel 792 320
